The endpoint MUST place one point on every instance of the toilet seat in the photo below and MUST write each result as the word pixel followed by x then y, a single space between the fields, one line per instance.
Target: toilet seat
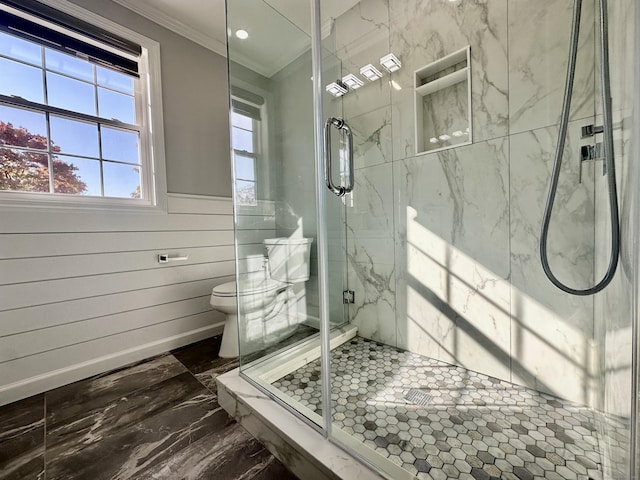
pixel 248 287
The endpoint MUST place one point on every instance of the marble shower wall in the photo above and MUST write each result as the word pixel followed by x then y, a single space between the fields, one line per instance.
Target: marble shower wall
pixel 443 247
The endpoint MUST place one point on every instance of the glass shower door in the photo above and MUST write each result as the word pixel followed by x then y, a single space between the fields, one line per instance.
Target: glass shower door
pixel 276 237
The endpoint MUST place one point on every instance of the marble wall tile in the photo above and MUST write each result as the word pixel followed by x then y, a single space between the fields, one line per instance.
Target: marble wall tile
pixel 621 56
pixel 372 141
pixel 539 35
pixel 552 332
pixel 374 309
pixel 452 256
pixel 372 95
pixel 424 31
pixel 370 247
pixel 364 18
pixel 370 228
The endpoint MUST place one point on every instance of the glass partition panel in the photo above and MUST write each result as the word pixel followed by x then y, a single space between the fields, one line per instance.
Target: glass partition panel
pixel 270 70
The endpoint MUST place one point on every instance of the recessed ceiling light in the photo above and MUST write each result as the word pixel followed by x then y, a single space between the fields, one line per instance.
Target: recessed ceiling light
pixel 242 34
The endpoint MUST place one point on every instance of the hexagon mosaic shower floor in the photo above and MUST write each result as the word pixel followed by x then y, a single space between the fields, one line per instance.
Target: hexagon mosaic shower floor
pixel 465 424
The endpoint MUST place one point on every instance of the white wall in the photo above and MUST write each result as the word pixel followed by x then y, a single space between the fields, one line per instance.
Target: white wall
pixel 83 293
pixel 196 105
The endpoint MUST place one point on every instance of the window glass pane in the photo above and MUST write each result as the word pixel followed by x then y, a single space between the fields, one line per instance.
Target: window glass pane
pixel 121 180
pixel 23 171
pixel 23 128
pixel 245 167
pixel 115 80
pixel 70 94
pixel 116 106
pixel 71 136
pixel 69 65
pixel 21 80
pixel 76 176
pixel 120 145
pixel 19 49
pixel 242 140
pixel 238 120
pixel 245 192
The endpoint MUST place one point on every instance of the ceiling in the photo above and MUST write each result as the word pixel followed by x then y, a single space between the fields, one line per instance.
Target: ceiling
pixel 275 39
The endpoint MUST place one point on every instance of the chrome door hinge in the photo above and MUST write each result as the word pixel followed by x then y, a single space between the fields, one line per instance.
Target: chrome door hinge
pixel 348 296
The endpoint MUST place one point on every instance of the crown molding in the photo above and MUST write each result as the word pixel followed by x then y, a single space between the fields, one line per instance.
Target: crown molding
pixel 161 18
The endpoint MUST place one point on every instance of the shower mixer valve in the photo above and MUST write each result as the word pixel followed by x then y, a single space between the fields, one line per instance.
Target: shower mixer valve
pixel 589 153
pixel 591 130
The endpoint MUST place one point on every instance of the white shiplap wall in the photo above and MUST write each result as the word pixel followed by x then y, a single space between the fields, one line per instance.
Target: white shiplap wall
pixel 83 293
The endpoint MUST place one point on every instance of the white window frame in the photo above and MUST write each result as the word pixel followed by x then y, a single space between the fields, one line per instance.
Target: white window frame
pixel 148 104
pixel 258 135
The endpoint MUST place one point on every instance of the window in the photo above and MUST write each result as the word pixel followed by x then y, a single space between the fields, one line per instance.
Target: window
pixel 245 137
pixel 74 111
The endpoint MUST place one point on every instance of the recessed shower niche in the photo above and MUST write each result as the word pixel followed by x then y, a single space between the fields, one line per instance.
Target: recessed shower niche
pixel 442 92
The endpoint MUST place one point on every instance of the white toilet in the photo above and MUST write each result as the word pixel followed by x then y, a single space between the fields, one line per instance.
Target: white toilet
pixel 264 312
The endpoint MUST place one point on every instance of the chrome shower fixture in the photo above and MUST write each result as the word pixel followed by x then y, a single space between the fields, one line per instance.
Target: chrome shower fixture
pixel 589 130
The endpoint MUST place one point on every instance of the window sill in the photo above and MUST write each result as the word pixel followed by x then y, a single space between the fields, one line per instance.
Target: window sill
pixel 11 201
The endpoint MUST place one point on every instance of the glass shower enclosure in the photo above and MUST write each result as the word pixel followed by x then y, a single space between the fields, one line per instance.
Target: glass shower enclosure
pixel 425 337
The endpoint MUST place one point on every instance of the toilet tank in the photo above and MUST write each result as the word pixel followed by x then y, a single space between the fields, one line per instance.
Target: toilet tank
pixel 288 258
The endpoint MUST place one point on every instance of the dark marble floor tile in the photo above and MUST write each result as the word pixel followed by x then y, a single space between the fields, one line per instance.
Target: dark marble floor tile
pixel 22 439
pixel 78 433
pixel 96 393
pixel 129 452
pixel 275 470
pixel 230 453
pixel 202 359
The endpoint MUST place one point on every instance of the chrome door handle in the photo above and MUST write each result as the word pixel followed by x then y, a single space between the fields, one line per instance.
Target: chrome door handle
pixel 340 124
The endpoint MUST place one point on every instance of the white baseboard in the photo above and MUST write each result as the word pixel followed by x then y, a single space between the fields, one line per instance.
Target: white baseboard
pixel 57 378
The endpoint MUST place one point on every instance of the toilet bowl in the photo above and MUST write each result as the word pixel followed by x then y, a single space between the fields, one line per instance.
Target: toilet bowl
pixel 260 306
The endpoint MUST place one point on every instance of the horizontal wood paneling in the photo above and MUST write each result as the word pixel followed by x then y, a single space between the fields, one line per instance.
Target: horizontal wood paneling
pixel 83 291
pixel 18 346
pixel 50 268
pixel 53 244
pixel 38 293
pixel 28 221
pixel 37 317
pixel 53 362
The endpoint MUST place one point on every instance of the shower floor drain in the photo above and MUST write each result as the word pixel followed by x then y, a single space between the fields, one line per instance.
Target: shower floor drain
pixel 418 397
